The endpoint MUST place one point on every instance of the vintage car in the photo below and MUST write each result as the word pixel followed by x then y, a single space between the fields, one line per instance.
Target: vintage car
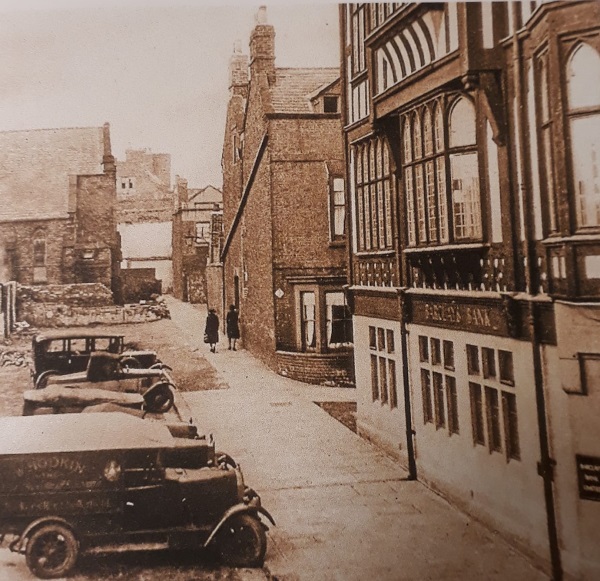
pixel 63 352
pixel 107 378
pixel 104 482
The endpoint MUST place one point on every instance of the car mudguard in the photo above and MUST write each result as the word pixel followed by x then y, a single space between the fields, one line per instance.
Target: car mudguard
pixel 238 509
pixel 18 546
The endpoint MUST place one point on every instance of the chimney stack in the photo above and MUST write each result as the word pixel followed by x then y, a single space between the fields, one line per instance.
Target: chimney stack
pixel 238 71
pixel 181 185
pixel 262 47
pixel 108 160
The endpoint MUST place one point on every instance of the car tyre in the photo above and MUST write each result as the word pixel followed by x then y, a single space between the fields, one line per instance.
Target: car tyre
pixel 52 551
pixel 159 398
pixel 42 381
pixel 242 541
pixel 130 362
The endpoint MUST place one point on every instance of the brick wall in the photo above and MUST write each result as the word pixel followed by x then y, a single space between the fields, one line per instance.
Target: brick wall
pixel 321 369
pixel 16 239
pixel 139 284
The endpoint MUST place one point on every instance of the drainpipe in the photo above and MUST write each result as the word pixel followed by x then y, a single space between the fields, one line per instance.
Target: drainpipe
pixel 410 432
pixel 546 463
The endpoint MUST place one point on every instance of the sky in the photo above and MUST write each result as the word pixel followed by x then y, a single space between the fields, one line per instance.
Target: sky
pixel 156 70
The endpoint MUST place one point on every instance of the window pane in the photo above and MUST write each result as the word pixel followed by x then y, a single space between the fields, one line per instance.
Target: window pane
pixel 452 404
pixel 383 389
pixel 417 143
pixel 583 78
pixel 505 363
pixel 438 400
pixel 438 128
pixel 436 355
pixel 448 355
pixel 338 186
pixel 473 360
pixel 407 142
pixel 427 400
pixel 410 207
pixel 339 320
pixel 420 193
pixel 390 340
pixel 465 196
pixel 477 414
pixel 511 429
pixel 431 201
pixel 489 363
pixel 392 383
pixel 380 339
pixel 427 132
pixel 493 419
pixel 440 168
pixel 423 348
pixel 585 146
pixel 462 123
pixel 39 253
pixel 374 378
pixel 372 337
pixel 308 320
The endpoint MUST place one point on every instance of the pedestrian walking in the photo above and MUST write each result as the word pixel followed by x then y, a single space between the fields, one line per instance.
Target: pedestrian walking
pixel 233 326
pixel 211 331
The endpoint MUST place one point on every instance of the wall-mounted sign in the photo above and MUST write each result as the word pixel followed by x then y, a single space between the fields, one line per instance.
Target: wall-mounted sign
pixel 278 293
pixel 451 314
pixel 588 475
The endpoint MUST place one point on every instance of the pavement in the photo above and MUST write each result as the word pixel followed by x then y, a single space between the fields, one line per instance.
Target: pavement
pixel 344 510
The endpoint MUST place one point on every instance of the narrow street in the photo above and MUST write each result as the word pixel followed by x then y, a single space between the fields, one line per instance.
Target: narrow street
pixel 344 510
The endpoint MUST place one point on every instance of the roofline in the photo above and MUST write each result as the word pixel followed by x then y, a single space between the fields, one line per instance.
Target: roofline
pixel 72 334
pixel 278 115
pixel 53 129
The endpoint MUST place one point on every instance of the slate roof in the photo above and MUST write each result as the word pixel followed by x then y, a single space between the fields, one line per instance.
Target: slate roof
pixel 293 88
pixel 35 166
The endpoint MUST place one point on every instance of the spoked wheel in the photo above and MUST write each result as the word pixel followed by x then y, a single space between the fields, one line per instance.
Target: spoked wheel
pixel 52 551
pixel 42 381
pixel 130 363
pixel 242 542
pixel 159 398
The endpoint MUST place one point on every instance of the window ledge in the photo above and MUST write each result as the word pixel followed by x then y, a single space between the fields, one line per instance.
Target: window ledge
pixel 446 248
pixel 575 238
pixel 374 253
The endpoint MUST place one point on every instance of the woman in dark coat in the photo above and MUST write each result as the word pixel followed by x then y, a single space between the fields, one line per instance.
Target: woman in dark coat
pixel 233 326
pixel 211 331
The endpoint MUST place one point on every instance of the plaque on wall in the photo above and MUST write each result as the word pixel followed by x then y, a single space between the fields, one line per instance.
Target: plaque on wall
pixel 588 476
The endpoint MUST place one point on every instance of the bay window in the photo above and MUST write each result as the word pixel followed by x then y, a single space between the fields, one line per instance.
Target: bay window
pixel 583 92
pixel 437 155
pixel 373 191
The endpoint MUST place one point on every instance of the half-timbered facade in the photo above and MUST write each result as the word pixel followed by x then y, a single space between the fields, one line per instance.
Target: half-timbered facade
pixel 471 136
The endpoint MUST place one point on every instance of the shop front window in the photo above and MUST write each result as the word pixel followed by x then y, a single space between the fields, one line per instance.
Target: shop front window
pixel 339 321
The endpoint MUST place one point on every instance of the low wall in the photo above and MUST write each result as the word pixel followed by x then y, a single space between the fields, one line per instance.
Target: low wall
pixel 331 369
pixel 76 295
pixel 75 305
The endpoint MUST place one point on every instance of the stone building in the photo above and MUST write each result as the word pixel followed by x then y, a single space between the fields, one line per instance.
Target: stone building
pixel 57 217
pixel 284 254
pixel 472 135
pixel 195 239
pixel 146 203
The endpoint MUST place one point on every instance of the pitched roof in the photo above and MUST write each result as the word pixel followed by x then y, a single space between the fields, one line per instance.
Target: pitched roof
pixel 293 88
pixel 35 166
pixel 208 194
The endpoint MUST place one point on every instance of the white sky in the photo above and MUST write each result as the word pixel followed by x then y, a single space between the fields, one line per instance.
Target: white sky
pixel 156 70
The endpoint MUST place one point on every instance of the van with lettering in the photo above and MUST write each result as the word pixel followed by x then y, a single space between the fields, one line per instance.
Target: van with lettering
pixel 99 482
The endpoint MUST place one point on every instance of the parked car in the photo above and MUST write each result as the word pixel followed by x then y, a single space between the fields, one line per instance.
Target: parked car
pixel 101 482
pixel 106 378
pixel 64 352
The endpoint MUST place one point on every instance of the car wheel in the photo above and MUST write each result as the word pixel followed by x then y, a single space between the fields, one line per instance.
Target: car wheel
pixel 242 541
pixel 159 398
pixel 52 551
pixel 44 378
pixel 130 363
